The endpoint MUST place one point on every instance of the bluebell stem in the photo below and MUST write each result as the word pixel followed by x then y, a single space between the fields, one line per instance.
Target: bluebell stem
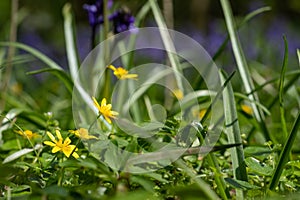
pixel 122 21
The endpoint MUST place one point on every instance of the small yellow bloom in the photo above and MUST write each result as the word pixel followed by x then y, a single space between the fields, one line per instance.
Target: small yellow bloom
pixel 202 113
pixel 122 73
pixel 83 134
pixel 105 110
pixel 247 109
pixel 28 134
pixel 178 94
pixel 60 145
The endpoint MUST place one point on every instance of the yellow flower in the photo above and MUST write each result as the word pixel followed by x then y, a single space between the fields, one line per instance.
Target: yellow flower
pixel 202 113
pixel 83 134
pixel 247 109
pixel 28 134
pixel 105 110
pixel 60 145
pixel 122 73
pixel 178 94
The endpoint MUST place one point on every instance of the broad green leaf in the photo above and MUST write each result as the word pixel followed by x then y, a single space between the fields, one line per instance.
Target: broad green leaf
pixel 258 167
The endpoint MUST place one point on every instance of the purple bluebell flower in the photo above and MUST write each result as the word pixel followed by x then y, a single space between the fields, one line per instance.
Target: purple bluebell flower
pixel 95 12
pixel 122 21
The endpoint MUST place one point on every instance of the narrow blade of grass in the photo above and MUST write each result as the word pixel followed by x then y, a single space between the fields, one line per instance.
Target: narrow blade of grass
pixel 242 65
pixel 167 40
pixel 281 86
pixel 34 52
pixel 247 18
pixel 298 54
pixel 234 135
pixel 284 155
pixel 59 73
pixel 70 41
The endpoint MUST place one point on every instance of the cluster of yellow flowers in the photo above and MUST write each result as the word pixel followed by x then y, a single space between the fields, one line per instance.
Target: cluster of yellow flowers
pixel 106 109
pixel 59 144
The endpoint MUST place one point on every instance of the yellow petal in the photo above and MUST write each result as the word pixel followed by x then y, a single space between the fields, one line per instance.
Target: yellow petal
pixel 96 103
pixel 129 76
pixel 20 132
pixel 107 119
pixel 67 141
pixel 75 155
pixel 51 137
pixel 56 149
pixel 49 143
pixel 114 113
pixel 68 150
pixel 103 102
pixel 112 67
pixel 58 134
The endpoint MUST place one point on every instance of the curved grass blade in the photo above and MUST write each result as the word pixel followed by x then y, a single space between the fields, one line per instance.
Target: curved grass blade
pixel 59 73
pixel 284 155
pixel 219 93
pixel 34 52
pixel 242 66
pixel 167 40
pixel 70 41
pixel 281 87
pixel 245 97
pixel 234 135
pixel 247 18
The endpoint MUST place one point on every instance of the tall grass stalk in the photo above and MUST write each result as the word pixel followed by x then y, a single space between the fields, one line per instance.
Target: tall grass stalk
pixel 11 49
pixel 234 135
pixel 167 40
pixel 70 41
pixel 242 65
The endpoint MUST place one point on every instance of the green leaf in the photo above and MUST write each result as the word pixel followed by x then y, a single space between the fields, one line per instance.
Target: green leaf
pixel 240 184
pixel 295 163
pixel 6 122
pixel 20 153
pixel 10 145
pixel 258 167
pixel 146 184
pixel 256 150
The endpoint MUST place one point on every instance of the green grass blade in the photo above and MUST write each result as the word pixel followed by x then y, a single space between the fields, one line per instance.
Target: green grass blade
pixel 59 73
pixel 34 52
pixel 247 18
pixel 242 65
pixel 284 155
pixel 219 93
pixel 281 86
pixel 298 54
pixel 234 135
pixel 70 41
pixel 166 38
